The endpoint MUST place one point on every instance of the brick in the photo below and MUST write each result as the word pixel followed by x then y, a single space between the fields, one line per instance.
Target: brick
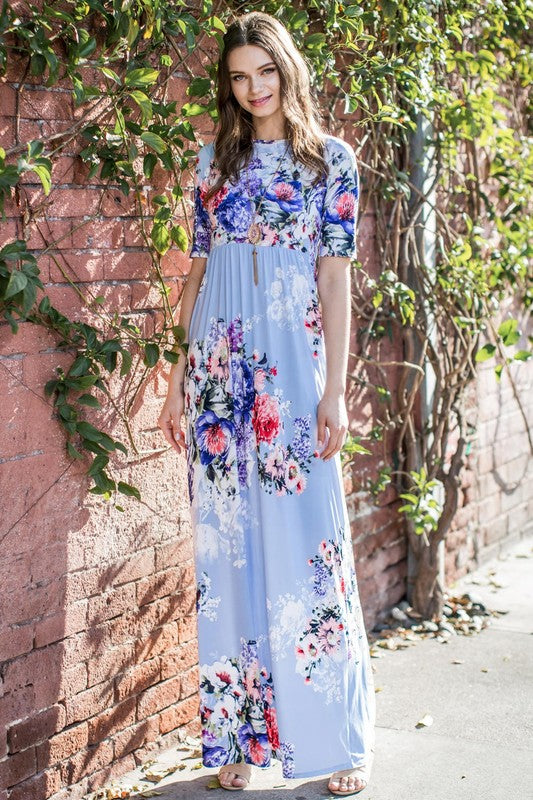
pixel 113 771
pixel 99 233
pixel 38 787
pixel 132 233
pixel 116 204
pixel 179 714
pixel 189 683
pixel 56 232
pixel 173 553
pixel 36 729
pixel 74 202
pixel 62 746
pixel 41 104
pixel 128 265
pixel 85 762
pixel 133 738
pixel 157 641
pixel 7 100
pixel 77 267
pixel 17 767
pixel 159 585
pixel 135 567
pixel 59 626
pixel 112 720
pixel 113 661
pixel 180 660
pixel 89 702
pixel 158 697
pixel 187 628
pixel 15 641
pixel 135 680
pixel 7 132
pixel 111 604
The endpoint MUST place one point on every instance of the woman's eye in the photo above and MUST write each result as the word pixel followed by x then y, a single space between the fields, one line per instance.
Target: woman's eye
pixel 268 69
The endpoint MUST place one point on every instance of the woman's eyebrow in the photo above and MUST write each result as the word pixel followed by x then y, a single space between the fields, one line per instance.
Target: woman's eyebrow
pixel 240 72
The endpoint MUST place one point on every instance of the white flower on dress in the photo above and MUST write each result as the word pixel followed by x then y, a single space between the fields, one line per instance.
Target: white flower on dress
pixel 289 296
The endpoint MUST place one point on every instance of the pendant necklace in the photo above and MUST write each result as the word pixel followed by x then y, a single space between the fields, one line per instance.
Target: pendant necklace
pixel 254 230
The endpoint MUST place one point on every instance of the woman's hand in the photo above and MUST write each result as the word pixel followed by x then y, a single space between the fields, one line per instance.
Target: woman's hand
pixel 170 418
pixel 331 413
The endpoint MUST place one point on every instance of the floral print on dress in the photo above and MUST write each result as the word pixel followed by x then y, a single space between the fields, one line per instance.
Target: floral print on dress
pixel 238 713
pixel 318 220
pixel 204 604
pixel 323 620
pixel 313 325
pixel 237 419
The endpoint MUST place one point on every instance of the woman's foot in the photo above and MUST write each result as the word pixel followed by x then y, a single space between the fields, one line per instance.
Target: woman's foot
pixel 235 776
pixel 348 781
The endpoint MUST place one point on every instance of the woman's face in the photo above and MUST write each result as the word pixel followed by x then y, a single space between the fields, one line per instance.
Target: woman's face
pixel 253 76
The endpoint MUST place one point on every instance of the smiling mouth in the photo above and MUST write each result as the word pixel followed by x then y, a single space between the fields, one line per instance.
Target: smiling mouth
pixel 261 100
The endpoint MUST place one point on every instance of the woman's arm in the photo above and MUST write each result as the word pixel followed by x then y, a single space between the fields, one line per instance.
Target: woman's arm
pixel 334 289
pixel 170 418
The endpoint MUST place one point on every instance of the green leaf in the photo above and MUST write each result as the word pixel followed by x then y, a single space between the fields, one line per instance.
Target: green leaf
pixel 89 400
pixel 127 489
pixel 523 355
pixel 17 282
pixel 486 352
pixel 161 238
pixel 144 103
pixel 171 356
pixel 151 354
pixel 154 141
pixel 73 453
pixel 509 332
pixel 149 162
pixel 126 362
pixel 141 77
pixel 178 235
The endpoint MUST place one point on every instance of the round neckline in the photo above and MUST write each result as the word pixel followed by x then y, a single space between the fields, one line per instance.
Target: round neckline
pixel 269 141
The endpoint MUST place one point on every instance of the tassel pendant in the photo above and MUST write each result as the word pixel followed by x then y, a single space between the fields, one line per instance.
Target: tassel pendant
pixel 254 255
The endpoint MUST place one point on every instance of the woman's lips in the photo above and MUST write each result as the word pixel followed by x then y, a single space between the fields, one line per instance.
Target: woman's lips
pixel 260 102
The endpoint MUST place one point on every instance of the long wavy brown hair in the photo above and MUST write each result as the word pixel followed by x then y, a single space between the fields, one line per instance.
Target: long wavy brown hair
pixel 233 140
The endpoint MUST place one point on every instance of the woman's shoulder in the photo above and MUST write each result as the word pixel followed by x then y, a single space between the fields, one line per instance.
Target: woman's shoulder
pixel 335 146
pixel 205 154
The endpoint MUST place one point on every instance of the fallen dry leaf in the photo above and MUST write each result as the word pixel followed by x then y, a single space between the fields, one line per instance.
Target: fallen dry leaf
pixel 425 722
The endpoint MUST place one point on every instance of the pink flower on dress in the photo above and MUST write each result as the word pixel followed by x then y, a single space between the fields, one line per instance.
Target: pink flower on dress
pixel 259 379
pixel 275 462
pixel 329 636
pixel 345 205
pixel 218 361
pixel 265 418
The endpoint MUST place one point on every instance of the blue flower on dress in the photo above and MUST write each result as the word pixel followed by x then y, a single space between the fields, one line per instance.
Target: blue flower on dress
pixel 234 213
pixel 254 745
pixel 235 335
pixel 213 435
pixel 214 756
pixel 243 389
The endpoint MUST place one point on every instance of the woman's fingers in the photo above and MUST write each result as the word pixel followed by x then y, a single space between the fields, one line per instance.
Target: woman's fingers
pixel 335 443
pixel 169 422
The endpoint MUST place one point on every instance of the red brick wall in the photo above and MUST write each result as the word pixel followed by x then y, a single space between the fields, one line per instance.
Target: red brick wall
pixel 97 627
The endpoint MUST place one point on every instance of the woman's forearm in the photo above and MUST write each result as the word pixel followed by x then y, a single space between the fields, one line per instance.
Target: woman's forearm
pixel 188 299
pixel 334 287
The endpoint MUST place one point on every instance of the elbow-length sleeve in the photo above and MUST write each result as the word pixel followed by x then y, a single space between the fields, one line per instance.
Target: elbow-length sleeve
pixel 201 240
pixel 341 201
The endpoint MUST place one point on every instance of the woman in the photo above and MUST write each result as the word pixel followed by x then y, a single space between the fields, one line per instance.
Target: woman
pixel 284 663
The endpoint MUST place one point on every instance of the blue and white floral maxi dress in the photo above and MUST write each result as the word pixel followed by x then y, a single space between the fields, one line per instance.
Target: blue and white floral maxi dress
pixel 284 664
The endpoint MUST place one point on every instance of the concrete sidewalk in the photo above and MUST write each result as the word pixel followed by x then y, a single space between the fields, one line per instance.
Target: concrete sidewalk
pixel 480 745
